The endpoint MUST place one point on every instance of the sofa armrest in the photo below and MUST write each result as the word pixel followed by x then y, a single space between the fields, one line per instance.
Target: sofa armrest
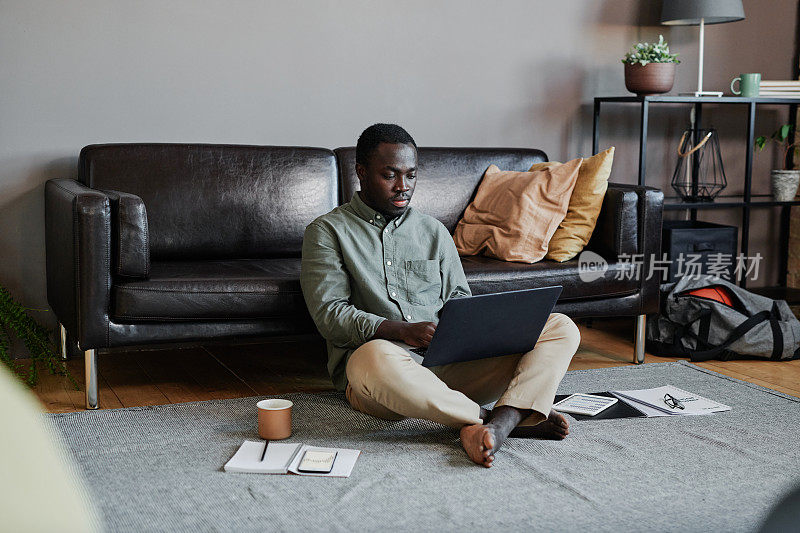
pixel 617 230
pixel 78 245
pixel 130 237
pixel 630 225
pixel 651 211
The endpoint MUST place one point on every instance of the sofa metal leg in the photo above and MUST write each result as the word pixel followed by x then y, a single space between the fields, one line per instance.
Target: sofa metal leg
pixel 64 351
pixel 638 340
pixel 90 357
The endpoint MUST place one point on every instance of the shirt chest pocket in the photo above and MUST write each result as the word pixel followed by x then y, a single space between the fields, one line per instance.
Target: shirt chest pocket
pixel 423 281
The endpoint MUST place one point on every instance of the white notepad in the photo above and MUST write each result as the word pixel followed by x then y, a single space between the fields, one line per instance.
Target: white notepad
pixel 247 458
pixel 651 402
pixel 282 458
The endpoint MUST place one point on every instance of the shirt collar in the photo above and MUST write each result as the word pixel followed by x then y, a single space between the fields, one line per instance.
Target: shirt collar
pixel 370 215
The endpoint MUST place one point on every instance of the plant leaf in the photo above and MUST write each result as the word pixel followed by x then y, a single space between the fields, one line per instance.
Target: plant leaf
pixel 645 53
pixel 36 338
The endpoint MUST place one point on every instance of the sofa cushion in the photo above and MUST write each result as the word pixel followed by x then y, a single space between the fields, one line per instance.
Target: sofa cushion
pixel 447 177
pixel 514 214
pixel 207 201
pixel 214 289
pixel 486 275
pixel 584 206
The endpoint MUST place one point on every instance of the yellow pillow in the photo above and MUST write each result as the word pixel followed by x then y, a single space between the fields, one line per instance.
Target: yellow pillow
pixel 515 214
pixel 584 206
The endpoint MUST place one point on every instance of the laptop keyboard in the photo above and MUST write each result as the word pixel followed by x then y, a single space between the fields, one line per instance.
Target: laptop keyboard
pixel 420 351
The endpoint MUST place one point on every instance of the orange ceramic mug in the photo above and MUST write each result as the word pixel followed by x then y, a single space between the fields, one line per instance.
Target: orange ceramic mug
pixel 274 419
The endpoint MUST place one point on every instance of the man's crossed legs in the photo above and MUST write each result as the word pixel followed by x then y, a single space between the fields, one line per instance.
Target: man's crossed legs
pixel 384 381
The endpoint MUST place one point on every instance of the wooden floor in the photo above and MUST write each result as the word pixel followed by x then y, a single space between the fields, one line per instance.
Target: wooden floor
pixel 217 371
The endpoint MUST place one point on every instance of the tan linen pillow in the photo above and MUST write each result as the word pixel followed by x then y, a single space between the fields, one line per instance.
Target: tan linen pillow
pixel 514 214
pixel 584 206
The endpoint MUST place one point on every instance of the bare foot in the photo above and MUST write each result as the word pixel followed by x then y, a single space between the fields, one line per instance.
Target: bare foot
pixel 555 427
pixel 478 441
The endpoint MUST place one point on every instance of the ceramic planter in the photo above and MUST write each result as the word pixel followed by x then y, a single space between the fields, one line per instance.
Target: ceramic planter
pixel 784 184
pixel 652 78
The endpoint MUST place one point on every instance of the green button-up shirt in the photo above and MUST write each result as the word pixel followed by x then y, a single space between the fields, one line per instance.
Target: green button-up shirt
pixel 358 269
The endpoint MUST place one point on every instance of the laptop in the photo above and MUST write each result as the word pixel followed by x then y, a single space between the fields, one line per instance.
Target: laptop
pixel 488 325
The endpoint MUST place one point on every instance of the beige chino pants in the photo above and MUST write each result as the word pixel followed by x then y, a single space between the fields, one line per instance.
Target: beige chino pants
pixel 384 380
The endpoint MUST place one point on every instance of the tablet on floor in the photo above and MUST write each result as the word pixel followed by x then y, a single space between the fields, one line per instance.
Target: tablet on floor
pixel 584 404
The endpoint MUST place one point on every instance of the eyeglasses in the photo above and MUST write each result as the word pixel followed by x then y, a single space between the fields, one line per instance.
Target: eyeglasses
pixel 672 401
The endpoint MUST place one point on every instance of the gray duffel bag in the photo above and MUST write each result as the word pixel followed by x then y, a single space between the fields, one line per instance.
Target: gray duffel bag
pixel 703 328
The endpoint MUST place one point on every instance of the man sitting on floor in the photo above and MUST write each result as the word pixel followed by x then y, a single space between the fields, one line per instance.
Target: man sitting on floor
pixel 375 271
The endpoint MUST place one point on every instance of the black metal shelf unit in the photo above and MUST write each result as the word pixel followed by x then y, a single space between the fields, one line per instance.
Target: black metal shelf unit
pixel 745 202
pixel 674 203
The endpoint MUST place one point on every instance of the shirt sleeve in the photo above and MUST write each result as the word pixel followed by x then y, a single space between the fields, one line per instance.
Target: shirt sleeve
pixel 454 282
pixel 326 289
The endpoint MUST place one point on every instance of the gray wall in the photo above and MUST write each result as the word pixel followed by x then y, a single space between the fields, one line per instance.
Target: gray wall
pixel 316 72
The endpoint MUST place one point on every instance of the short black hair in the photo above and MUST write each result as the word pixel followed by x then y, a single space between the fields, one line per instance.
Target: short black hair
pixel 371 137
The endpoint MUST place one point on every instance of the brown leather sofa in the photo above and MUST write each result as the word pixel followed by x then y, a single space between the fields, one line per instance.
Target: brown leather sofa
pixel 159 243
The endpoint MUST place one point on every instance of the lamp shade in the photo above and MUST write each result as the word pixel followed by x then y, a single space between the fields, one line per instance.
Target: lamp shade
pixel 689 12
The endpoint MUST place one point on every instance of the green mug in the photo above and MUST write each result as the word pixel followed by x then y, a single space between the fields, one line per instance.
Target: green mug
pixel 748 84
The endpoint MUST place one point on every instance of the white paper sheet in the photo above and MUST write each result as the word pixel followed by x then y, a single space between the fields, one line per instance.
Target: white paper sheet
pixel 648 411
pixel 651 402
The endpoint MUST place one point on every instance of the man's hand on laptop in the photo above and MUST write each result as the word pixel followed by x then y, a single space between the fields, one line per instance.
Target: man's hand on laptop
pixel 418 334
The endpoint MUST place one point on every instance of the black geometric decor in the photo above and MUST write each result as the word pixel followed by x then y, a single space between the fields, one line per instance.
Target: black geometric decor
pixel 699 175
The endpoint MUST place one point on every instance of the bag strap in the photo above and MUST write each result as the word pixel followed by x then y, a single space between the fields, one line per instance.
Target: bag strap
pixel 684 331
pixel 737 333
pixel 777 332
pixel 704 327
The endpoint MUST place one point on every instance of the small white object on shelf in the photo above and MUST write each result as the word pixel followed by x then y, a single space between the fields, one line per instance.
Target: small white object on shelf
pixel 780 94
pixel 779 83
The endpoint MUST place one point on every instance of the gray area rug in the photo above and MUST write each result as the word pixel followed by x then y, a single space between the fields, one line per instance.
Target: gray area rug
pixel 160 468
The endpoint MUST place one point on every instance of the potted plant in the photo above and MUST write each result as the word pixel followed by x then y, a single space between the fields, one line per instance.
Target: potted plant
pixel 784 182
pixel 650 68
